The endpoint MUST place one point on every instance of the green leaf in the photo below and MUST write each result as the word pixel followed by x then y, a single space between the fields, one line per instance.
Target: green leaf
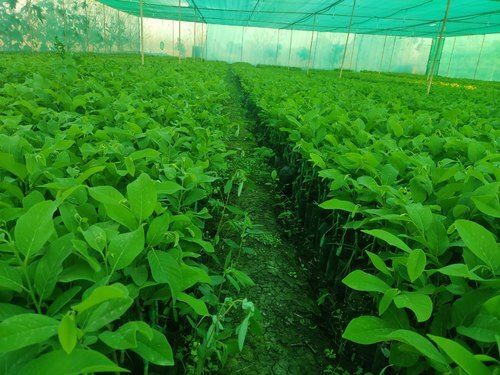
pixel 101 294
pixel 487 205
pixel 242 332
pixel 419 303
pixel 378 263
pixel 337 204
pixel 10 277
pixel 168 187
pixel 22 330
pixel 30 238
pixel 142 197
pixel 80 361
pixel 386 300
pixel 121 214
pixel 156 350
pixel 95 237
pixel 196 304
pixel 364 282
pixel 124 248
pixel 8 163
pixel 415 264
pixel 106 194
pixel 67 332
pixel 157 229
pixel 480 241
pixel 106 312
pixel 7 310
pixel 317 160
pixel 165 269
pixel 367 330
pixel 388 237
pixel 461 356
pixel 125 337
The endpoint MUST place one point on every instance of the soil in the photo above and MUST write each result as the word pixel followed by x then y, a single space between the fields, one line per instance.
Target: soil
pixel 294 339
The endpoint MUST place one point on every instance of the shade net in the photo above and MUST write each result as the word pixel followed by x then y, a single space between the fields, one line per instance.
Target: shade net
pixel 386 36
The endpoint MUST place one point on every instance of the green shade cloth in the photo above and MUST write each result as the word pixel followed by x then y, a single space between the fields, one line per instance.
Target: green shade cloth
pixel 416 18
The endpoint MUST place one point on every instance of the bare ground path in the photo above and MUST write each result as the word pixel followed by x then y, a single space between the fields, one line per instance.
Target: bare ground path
pixel 293 339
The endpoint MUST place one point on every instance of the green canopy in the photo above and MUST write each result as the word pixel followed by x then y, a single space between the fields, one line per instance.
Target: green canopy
pixel 417 18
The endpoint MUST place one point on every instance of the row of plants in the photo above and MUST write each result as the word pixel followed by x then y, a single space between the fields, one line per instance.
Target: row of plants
pixel 400 192
pixel 114 183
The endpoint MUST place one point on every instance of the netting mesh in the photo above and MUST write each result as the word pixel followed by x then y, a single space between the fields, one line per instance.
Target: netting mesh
pixel 233 31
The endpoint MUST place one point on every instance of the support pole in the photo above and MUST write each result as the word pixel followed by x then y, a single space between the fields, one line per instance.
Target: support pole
pixel 479 57
pixel 277 47
pixel 382 56
pixel 310 45
pixel 451 57
pixel 392 53
pixel 179 42
pixel 290 49
pixel 438 49
pixel 242 36
pixel 347 39
pixel 353 49
pixel 141 10
pixel 357 55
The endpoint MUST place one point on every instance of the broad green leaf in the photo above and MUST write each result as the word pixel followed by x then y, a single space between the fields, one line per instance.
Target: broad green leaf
pixel 79 361
pixel 337 204
pixel 196 304
pixel 125 337
pixel 22 330
pixel 317 160
pixel 156 350
pixel 388 237
pixel 415 264
pixel 486 324
pixel 106 312
pixel 101 294
pixel 157 229
pixel 124 248
pixel 168 187
pixel 368 330
pixel 10 277
pixel 121 214
pixel 106 194
pixel 67 332
pixel 487 205
pixel 378 263
pixel 95 237
pixel 142 197
pixel 7 310
pixel 386 300
pixel 8 163
pixel 419 303
pixel 461 356
pixel 362 281
pixel 480 241
pixel 165 269
pixel 30 238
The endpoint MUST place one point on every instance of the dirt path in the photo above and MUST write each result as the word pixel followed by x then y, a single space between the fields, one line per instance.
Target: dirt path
pixel 293 342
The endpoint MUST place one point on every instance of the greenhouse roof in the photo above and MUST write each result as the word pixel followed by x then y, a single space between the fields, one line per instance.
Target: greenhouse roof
pixel 419 18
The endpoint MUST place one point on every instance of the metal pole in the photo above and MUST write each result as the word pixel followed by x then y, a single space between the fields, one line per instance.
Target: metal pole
pixel 440 37
pixel 382 57
pixel 310 45
pixel 277 47
pixel 242 36
pixel 451 56
pixel 353 49
pixel 357 55
pixel 179 42
pixel 392 53
pixel 290 49
pixel 347 39
pixel 206 41
pixel 141 10
pixel 479 57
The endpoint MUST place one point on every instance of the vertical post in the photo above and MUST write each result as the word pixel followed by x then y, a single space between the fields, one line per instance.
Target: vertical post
pixel 194 35
pixel 242 36
pixel 311 44
pixel 382 56
pixel 347 39
pixel 173 37
pixel 353 49
pixel 290 49
pixel 451 57
pixel 479 57
pixel 440 40
pixel 179 40
pixel 357 55
pixel 206 41
pixel 392 53
pixel 277 47
pixel 141 10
